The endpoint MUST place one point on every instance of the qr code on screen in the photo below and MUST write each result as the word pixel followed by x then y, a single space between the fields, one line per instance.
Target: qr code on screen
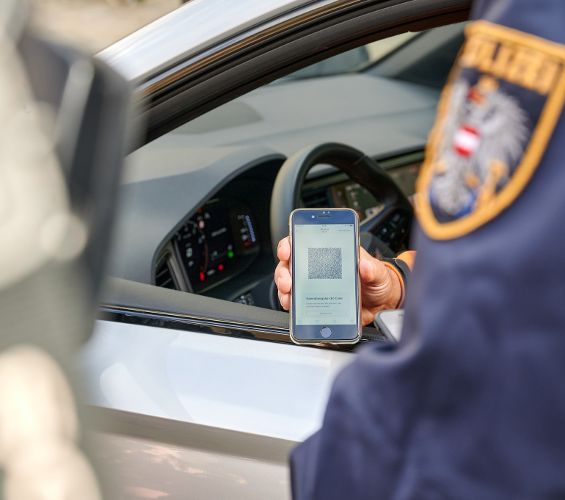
pixel 324 263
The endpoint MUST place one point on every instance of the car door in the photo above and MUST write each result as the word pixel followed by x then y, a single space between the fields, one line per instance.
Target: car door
pixel 207 396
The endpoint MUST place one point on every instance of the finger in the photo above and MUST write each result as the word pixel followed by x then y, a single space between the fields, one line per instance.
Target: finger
pixel 283 250
pixel 284 282
pixel 367 317
pixel 282 277
pixel 281 271
pixel 284 299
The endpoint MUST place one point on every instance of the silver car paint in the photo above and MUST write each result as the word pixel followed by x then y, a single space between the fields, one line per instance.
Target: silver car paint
pixel 195 28
pixel 264 389
pixel 138 468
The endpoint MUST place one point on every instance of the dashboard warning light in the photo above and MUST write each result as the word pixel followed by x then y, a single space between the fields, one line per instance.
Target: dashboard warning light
pixel 202 276
pixel 220 267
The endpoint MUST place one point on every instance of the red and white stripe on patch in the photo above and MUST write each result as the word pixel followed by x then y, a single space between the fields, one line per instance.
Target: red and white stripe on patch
pixel 466 141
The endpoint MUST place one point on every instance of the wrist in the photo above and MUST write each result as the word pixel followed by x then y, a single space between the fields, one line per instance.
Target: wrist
pixel 397 291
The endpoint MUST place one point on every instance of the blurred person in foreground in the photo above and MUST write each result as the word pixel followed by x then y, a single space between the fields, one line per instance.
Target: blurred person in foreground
pixel 40 457
pixel 469 404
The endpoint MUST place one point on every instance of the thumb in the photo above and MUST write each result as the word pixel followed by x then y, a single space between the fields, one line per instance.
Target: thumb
pixel 372 271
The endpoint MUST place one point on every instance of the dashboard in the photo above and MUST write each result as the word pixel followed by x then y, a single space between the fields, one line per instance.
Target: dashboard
pixel 222 248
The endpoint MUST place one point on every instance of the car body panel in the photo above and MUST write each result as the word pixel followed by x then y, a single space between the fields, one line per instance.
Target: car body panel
pixel 197 414
pixel 265 388
pixel 154 469
pixel 195 28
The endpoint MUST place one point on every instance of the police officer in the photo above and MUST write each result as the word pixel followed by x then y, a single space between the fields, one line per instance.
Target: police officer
pixel 469 404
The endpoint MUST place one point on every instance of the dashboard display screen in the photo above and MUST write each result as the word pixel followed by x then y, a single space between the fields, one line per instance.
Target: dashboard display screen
pixel 213 240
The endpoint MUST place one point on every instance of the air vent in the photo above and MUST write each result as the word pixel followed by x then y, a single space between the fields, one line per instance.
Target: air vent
pixel 315 198
pixel 164 275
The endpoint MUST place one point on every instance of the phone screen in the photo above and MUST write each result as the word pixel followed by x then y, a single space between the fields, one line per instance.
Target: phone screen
pixel 325 276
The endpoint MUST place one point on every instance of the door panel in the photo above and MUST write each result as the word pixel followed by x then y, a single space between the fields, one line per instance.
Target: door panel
pixel 246 385
pixel 193 415
pixel 134 467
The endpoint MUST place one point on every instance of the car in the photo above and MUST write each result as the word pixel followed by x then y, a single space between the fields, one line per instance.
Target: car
pixel 246 110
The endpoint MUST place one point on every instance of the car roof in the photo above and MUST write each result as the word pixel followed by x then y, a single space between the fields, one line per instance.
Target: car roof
pixel 194 28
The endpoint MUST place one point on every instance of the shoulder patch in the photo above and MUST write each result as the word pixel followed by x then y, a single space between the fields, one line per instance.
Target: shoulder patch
pixel 495 118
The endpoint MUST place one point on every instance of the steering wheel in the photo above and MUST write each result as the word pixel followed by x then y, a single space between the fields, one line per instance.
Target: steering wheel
pixel 383 234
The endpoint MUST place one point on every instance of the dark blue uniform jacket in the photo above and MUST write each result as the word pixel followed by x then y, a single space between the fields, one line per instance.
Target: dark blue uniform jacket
pixel 471 403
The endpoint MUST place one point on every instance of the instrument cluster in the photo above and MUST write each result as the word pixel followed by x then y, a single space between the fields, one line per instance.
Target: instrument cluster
pixel 217 242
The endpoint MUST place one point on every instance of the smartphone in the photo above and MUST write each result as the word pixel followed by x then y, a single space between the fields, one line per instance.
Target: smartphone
pixel 389 322
pixel 325 276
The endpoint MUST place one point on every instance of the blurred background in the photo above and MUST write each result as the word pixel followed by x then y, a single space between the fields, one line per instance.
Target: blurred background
pixel 95 24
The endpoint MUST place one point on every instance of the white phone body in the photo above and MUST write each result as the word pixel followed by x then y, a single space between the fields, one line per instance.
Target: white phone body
pixel 390 322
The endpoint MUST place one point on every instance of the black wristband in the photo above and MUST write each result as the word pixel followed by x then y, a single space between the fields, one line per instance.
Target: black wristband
pixel 402 268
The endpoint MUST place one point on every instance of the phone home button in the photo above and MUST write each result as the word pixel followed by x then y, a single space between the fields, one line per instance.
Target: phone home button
pixel 326 332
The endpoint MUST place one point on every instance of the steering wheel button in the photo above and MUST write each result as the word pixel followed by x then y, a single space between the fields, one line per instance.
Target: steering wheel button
pixel 384 233
pixel 396 219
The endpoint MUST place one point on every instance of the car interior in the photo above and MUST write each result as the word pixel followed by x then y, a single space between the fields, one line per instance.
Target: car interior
pixel 202 207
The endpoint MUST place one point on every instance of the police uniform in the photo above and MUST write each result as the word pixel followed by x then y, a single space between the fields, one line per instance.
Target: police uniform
pixel 470 404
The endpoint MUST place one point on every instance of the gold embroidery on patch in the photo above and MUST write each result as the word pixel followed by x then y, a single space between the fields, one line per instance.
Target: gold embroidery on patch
pixel 525 60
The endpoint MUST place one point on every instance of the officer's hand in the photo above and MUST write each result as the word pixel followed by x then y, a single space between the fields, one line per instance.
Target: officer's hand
pixel 380 287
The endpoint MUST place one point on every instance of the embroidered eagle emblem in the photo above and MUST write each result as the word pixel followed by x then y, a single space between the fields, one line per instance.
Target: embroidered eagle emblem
pixel 485 134
pixel 495 119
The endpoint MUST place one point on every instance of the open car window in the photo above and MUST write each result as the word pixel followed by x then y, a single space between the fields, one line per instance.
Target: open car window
pixel 195 211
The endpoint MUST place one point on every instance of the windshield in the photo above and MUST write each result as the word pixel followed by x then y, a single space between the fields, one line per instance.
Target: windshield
pixel 353 60
pixel 358 85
